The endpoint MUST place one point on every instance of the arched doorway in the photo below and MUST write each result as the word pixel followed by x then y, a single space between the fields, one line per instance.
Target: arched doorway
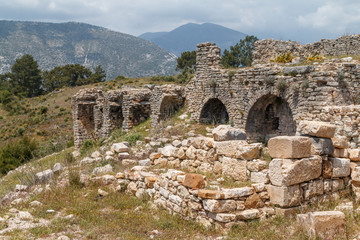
pixel 169 106
pixel 214 111
pixel 270 116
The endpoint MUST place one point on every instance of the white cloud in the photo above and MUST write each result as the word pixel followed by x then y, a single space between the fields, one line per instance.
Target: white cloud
pixel 306 20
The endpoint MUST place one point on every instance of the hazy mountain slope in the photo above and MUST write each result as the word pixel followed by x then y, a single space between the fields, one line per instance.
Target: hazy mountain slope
pixel 54 44
pixel 186 37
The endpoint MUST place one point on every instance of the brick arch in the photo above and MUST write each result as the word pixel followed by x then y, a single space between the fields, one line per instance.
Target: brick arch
pixel 270 115
pixel 214 111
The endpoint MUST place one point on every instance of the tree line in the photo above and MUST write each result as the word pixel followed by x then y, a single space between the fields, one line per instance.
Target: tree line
pixel 26 80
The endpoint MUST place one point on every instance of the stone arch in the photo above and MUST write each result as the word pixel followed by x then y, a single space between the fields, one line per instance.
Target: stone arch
pixel 169 106
pixel 268 117
pixel 214 111
pixel 86 116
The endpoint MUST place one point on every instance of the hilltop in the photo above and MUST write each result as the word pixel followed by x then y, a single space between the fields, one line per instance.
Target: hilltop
pixel 186 37
pixel 57 44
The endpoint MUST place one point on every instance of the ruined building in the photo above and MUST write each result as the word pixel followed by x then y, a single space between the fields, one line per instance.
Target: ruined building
pixel 266 100
pixel 96 113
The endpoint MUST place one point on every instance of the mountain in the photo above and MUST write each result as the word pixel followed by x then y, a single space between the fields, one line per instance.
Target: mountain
pixel 186 37
pixel 56 44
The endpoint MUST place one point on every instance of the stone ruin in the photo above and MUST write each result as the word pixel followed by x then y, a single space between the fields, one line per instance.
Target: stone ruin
pixel 96 113
pixel 310 113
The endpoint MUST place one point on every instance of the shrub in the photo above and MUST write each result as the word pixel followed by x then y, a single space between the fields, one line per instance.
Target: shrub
pixel 283 58
pixel 131 139
pixel 69 158
pixel 43 110
pixel 86 146
pixel 15 153
pixel 282 85
pixel 305 84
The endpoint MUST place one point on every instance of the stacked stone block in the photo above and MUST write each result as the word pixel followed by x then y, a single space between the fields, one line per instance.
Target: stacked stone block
pixel 231 158
pixel 184 193
pixel 302 170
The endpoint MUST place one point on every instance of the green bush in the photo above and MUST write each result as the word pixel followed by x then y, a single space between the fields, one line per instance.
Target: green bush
pixel 87 146
pixel 15 153
pixel 131 139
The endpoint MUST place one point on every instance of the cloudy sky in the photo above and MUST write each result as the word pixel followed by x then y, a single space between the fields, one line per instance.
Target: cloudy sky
pixel 303 21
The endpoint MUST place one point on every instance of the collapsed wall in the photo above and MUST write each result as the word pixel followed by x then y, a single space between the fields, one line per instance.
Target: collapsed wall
pixel 267 49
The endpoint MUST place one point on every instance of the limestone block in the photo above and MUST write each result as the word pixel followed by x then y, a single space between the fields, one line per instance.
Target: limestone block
pixel 217 167
pixel 145 162
pixel 355 188
pixel 155 155
pixel 228 148
pixel 327 169
pixel 191 153
pixel 57 168
pixel 287 172
pixel 256 165
pixel 123 155
pixel 254 201
pixel 355 174
pixel 181 153
pixel 317 129
pixel 210 194
pixel 205 168
pixel 233 168
pixel 193 180
pixel 285 196
pixel 325 224
pixel 259 177
pixel 44 176
pixel 354 155
pixel 150 180
pixel 340 142
pixel 201 155
pixel 248 214
pixel 340 153
pixel 313 189
pixel 226 133
pixel 119 147
pixel 341 167
pixel 337 184
pixel 219 206
pixel 103 170
pixel 176 143
pixel 345 207
pixel 236 193
pixel 289 147
pixel 202 142
pixel 321 146
pixel 248 152
pixel 169 151
pixel 222 217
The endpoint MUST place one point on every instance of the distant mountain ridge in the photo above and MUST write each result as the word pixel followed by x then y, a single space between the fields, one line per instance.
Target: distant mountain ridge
pixel 56 44
pixel 186 37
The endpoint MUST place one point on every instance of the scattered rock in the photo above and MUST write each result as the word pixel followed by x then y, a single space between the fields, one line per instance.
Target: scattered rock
pixel 226 133
pixel 103 170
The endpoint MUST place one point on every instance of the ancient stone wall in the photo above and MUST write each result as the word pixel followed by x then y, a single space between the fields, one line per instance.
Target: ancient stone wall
pixel 267 49
pixel 268 100
pixel 96 113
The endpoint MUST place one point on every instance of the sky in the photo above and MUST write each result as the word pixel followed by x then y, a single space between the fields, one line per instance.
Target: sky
pixel 304 21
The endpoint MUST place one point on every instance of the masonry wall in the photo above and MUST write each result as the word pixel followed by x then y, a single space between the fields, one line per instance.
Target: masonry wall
pixel 96 113
pixel 306 90
pixel 267 49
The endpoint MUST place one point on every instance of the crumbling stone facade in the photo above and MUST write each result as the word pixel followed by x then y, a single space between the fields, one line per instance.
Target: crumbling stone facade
pixel 96 113
pixel 269 100
pixel 267 49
